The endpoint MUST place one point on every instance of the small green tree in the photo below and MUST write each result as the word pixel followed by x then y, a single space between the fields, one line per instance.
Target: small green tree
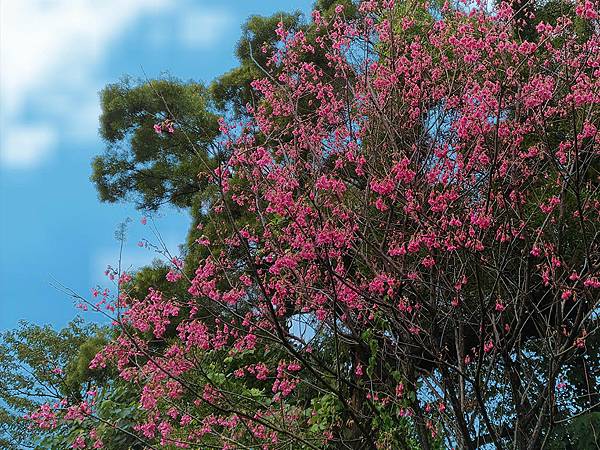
pixel 150 165
pixel 38 365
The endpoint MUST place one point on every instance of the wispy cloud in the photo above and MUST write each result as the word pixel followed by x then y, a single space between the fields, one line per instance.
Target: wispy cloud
pixel 51 50
pixel 52 53
pixel 201 29
pixel 24 146
pixel 50 56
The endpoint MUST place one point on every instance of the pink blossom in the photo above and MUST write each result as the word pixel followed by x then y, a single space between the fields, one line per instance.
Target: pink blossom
pixel 79 442
pixel 399 389
pixel 358 370
pixel 173 276
pixel 488 346
pixel 592 282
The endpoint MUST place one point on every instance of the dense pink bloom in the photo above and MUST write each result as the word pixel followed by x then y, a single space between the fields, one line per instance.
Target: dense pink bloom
pixel 389 201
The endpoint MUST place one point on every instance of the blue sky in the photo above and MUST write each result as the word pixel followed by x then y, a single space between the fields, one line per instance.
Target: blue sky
pixel 55 55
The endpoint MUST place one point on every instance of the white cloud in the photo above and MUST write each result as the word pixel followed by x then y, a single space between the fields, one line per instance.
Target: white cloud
pixel 51 56
pixel 202 29
pixel 25 146
pixel 53 48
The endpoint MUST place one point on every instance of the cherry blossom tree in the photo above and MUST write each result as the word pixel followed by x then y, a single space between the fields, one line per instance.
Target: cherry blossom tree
pixel 416 263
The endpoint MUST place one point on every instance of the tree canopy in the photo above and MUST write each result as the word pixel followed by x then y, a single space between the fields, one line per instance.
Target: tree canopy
pixel 149 167
pixel 395 243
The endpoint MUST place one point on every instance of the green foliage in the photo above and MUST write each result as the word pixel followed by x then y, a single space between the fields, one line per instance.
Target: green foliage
pixel 324 411
pixel 232 91
pixel 154 276
pixel 580 433
pixel 142 165
pixel 117 404
pixel 30 357
pixel 327 7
